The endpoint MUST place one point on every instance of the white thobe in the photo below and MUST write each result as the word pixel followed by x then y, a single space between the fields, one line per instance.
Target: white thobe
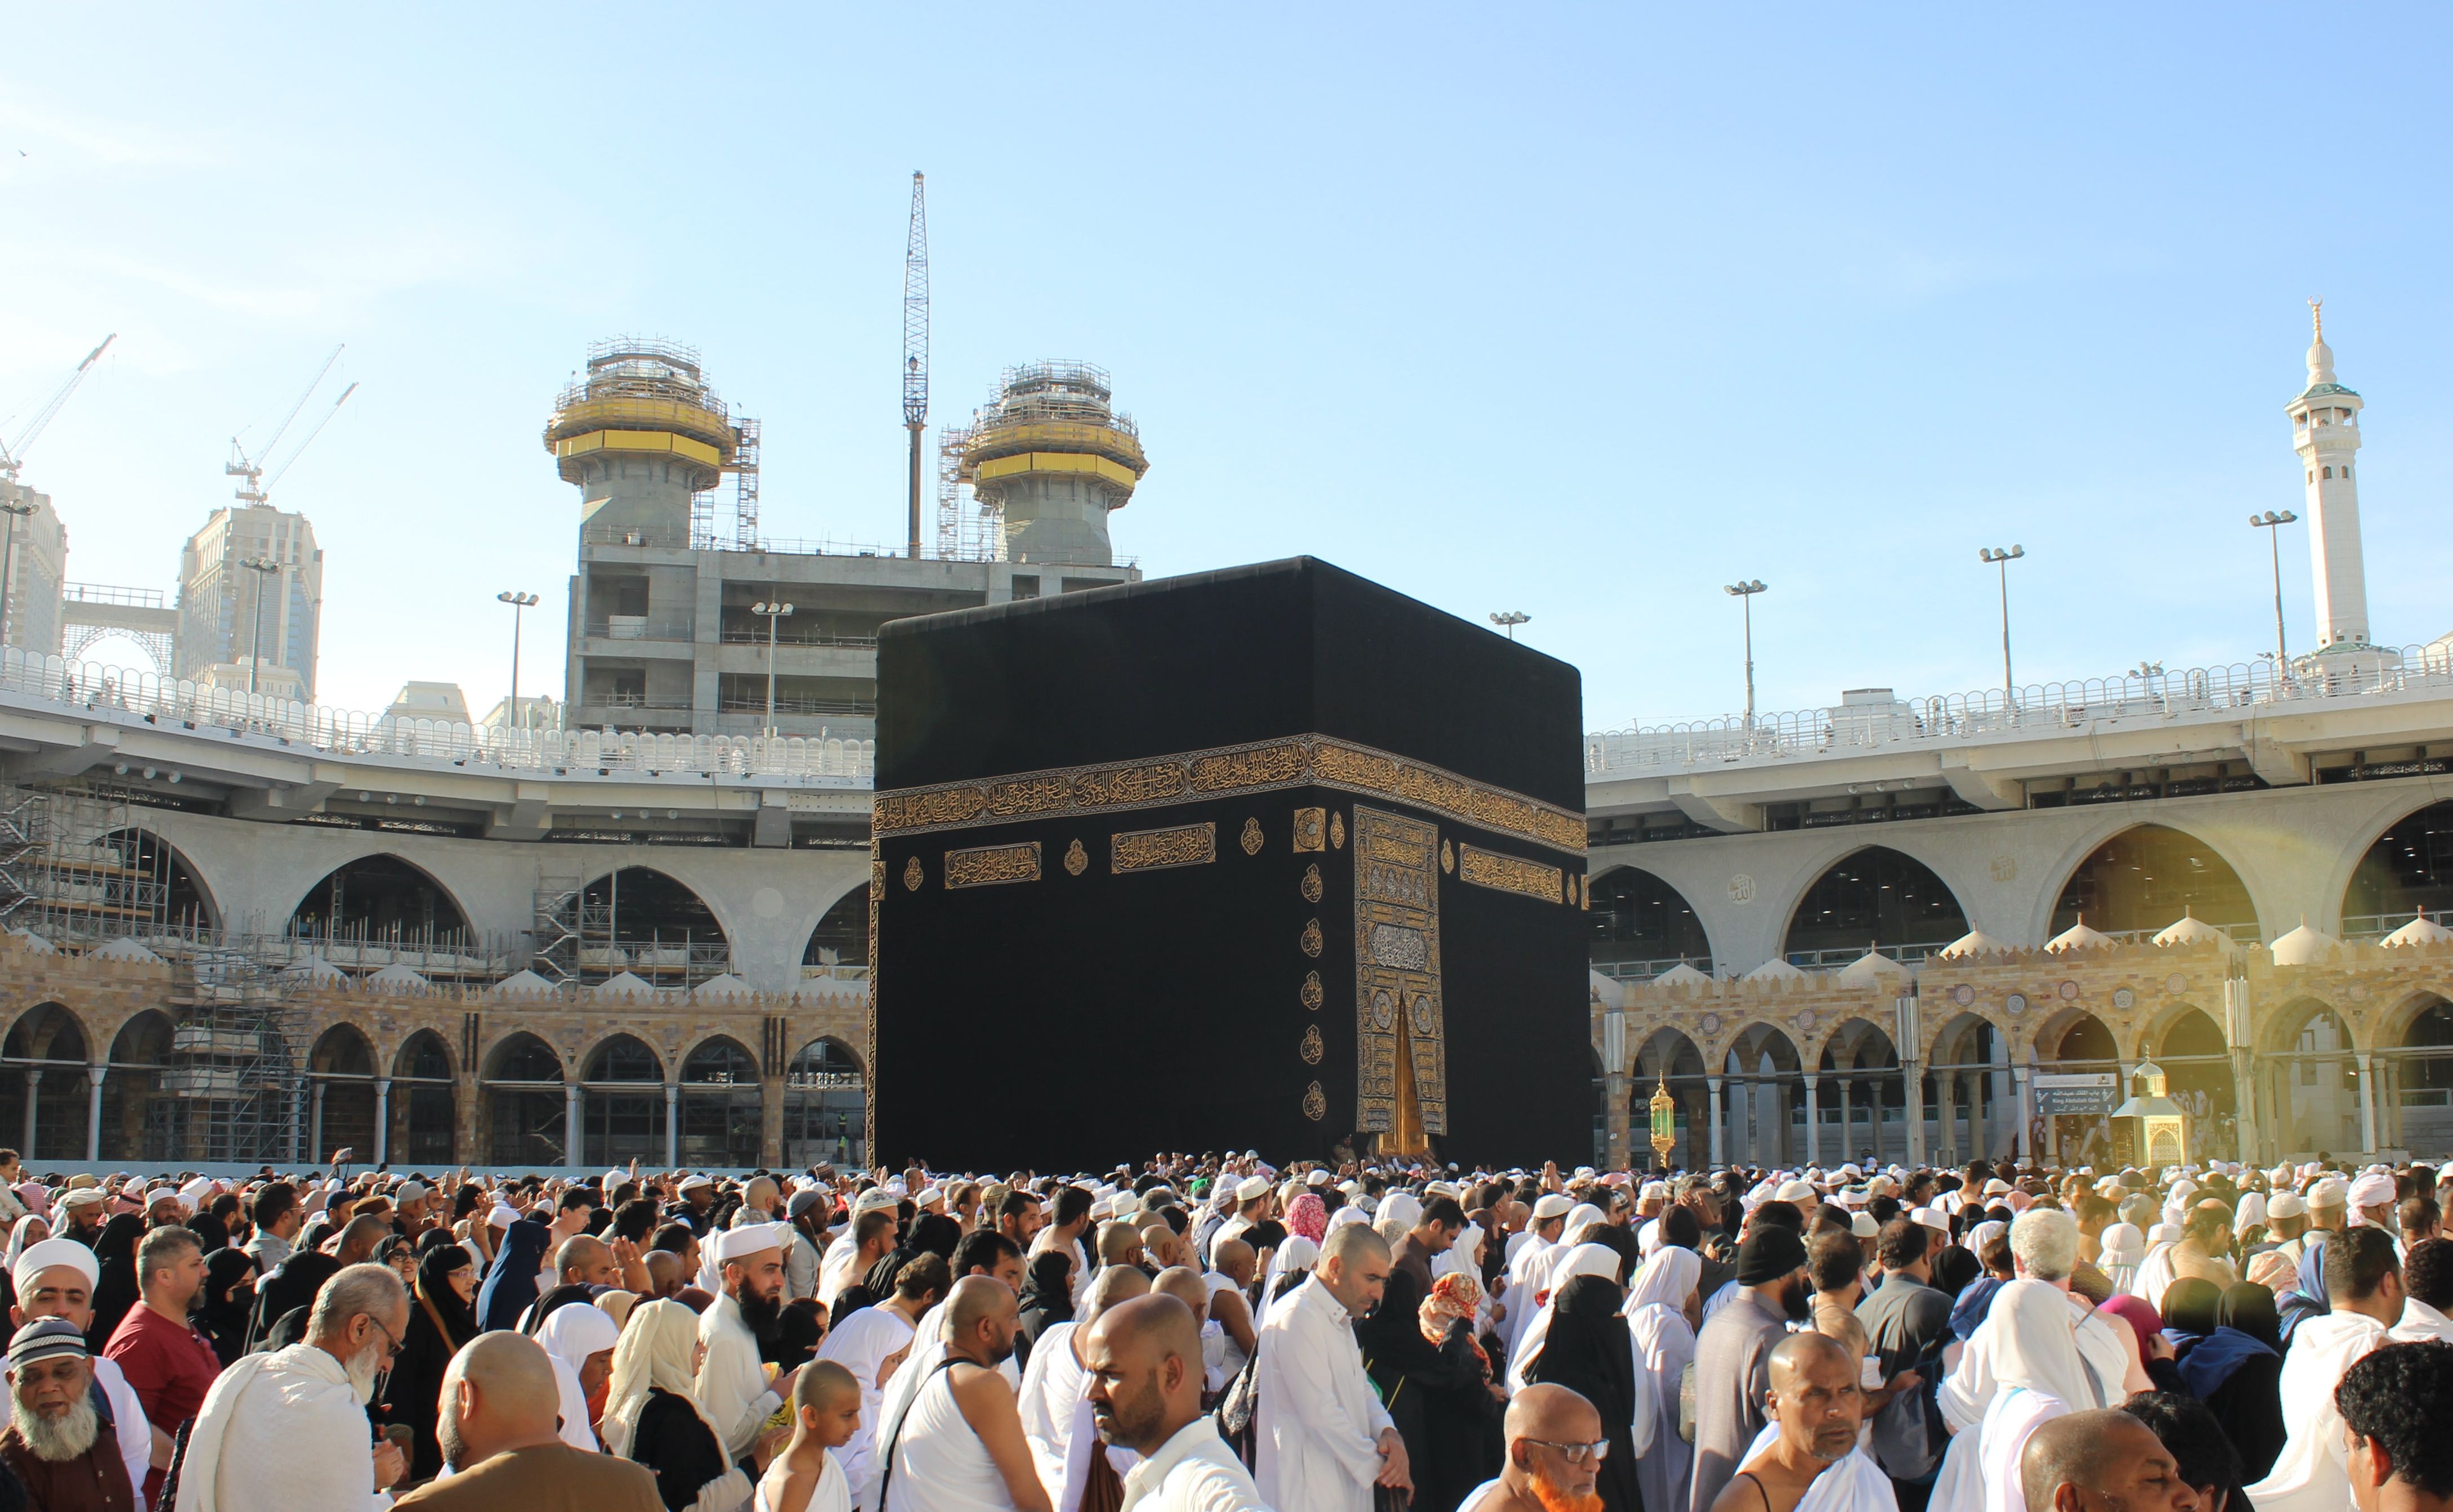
pixel 1316 1432
pixel 732 1383
pixel 2420 1323
pixel 867 1340
pixel 127 1422
pixel 1524 1272
pixel 1193 1471
pixel 282 1432
pixel 2312 1474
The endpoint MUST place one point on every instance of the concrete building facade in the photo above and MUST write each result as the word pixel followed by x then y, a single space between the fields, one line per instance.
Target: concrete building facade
pixel 231 613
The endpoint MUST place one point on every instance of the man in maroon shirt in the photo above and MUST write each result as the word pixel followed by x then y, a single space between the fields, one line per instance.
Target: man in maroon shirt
pixel 164 1358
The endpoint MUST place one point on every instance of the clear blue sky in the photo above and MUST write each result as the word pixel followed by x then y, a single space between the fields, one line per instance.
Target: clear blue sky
pixel 1579 313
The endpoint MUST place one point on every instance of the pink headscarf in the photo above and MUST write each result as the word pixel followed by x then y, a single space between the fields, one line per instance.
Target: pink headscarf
pixel 1307 1217
pixel 2139 1314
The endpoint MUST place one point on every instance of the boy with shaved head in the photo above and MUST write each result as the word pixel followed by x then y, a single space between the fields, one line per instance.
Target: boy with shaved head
pixel 1143 1358
pixel 825 1413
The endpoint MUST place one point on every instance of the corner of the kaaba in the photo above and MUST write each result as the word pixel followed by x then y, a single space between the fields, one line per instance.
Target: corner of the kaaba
pixel 1242 860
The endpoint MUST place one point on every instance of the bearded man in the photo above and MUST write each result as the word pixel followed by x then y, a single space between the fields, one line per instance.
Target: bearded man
pixel 733 1391
pixel 1144 1359
pixel 301 1411
pixel 57 1445
pixel 1555 1444
pixel 1806 1458
pixel 1733 1355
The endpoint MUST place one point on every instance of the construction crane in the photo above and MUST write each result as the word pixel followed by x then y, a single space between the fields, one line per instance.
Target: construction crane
pixel 12 455
pixel 254 487
pixel 915 346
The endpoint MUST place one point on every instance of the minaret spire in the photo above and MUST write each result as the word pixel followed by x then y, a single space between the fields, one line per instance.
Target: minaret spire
pixel 2325 433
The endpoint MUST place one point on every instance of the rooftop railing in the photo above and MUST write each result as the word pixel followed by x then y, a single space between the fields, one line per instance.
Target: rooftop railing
pixel 2039 709
pixel 132 695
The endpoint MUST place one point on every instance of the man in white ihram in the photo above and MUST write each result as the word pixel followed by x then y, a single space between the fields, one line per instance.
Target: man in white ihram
pixel 288 1431
pixel 733 1392
pixel 1320 1437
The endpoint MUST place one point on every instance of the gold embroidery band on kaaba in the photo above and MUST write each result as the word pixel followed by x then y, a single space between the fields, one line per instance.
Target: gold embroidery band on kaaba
pixel 1149 849
pixel 1262 766
pixel 1488 868
pixel 1397 971
pixel 986 866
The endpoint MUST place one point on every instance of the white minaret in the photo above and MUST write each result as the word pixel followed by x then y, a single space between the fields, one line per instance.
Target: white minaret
pixel 2325 429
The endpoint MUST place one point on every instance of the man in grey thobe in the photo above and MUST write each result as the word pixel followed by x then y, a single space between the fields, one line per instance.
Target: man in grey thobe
pixel 1733 1355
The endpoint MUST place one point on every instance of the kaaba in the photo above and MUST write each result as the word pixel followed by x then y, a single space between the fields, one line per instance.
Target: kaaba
pixel 1269 857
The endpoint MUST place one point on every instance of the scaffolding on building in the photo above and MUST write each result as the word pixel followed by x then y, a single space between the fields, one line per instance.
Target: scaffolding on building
pixel 553 937
pixel 79 871
pixel 578 939
pixel 967 531
pixel 745 486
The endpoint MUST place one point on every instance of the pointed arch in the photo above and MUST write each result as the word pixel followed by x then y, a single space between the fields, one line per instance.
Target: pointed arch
pixel 722 1111
pixel 649 923
pixel 2146 877
pixel 1968 1090
pixel 1873 897
pixel 1863 1096
pixel 1641 925
pixel 838 945
pixel 43 1102
pixel 2407 870
pixel 825 1106
pixel 2311 1078
pixel 341 1094
pixel 1668 1054
pixel 521 1111
pixel 2420 1072
pixel 139 1121
pixel 622 1103
pixel 368 909
pixel 1763 1096
pixel 425 1103
pixel 140 885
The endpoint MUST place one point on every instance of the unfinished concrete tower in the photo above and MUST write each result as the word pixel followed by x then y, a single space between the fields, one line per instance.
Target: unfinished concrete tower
pixel 1051 457
pixel 641 434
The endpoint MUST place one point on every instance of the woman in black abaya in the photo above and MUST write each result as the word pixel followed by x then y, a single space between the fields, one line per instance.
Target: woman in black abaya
pixel 1590 1352
pixel 440 1321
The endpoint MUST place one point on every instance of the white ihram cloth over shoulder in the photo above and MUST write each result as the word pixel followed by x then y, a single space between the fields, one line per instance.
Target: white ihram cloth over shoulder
pixel 1193 1471
pixel 831 1494
pixel 281 1432
pixel 1056 1417
pixel 1316 1431
pixel 927 1347
pixel 2312 1474
pixel 1854 1484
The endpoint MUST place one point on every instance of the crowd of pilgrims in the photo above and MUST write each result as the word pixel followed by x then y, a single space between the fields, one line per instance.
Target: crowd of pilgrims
pixel 1210 1334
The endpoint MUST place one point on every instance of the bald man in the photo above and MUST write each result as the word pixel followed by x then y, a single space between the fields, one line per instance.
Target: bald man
pixel 1055 1411
pixel 1233 1268
pixel 961 1443
pixel 1554 1447
pixel 1322 1441
pixel 1806 1458
pixel 1185 1284
pixel 498 1429
pixel 1144 1358
pixel 2085 1461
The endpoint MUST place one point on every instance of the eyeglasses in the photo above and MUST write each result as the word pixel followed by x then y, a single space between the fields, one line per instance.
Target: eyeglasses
pixel 1575 1453
pixel 391 1346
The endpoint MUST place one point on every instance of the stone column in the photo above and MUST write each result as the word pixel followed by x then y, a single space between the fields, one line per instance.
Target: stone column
pixel 383 1119
pixel 1713 1086
pixel 1912 1089
pixel 1847 1087
pixel 2025 1111
pixel 1615 1119
pixel 1814 1123
pixel 770 1122
pixel 315 1126
pixel 672 1125
pixel 574 1142
pixel 34 1097
pixel 93 1112
pixel 2368 1102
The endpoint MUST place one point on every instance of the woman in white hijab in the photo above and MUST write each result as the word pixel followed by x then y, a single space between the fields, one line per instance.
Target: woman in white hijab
pixel 1294 1257
pixel 1662 1307
pixel 573 1335
pixel 1583 1260
pixel 2121 1249
pixel 29 1230
pixel 651 1412
pixel 2155 1271
pixel 2022 1370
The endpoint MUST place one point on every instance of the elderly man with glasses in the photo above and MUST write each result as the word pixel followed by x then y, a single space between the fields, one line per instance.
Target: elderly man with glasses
pixel 288 1431
pixel 1555 1449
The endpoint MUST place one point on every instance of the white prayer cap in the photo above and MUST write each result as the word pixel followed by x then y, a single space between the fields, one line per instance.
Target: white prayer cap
pixel 135 1188
pixel 1932 1218
pixel 2332 1192
pixel 1349 1186
pixel 1319 1177
pixel 502 1217
pixel 1793 1192
pixel 1126 1204
pixel 1985 1231
pixel 1583 1173
pixel 615 1177
pixel 1997 1187
pixel 1551 1205
pixel 2372 1191
pixel 1851 1172
pixel 2286 1205
pixel 197 1191
pixel 873 1199
pixel 1251 1188
pixel 1652 1189
pixel 39 1258
pixel 1861 1223
pixel 408 1192
pixel 1101 1207
pixel 694 1181
pixel 2122 1244
pixel 749 1239
pixel 934 1194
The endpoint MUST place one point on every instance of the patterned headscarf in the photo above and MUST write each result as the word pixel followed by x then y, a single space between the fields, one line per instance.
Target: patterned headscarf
pixel 1453 1296
pixel 1307 1216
